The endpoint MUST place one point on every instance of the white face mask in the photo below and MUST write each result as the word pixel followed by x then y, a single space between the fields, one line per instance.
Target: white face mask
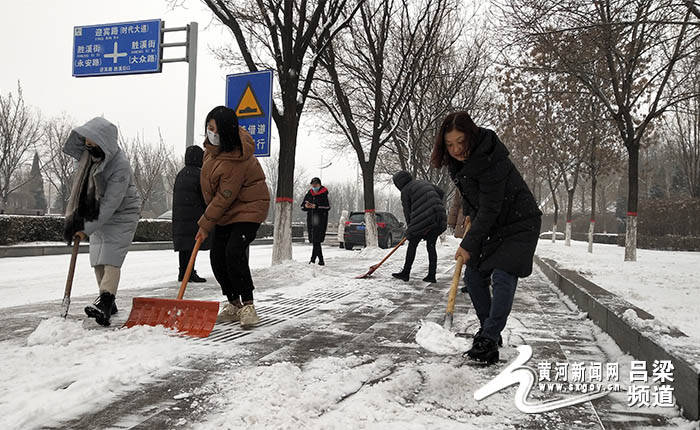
pixel 213 138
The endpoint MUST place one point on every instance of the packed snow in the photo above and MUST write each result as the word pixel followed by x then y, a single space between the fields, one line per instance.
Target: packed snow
pixel 436 339
pixel 69 369
pixel 663 283
pixel 64 369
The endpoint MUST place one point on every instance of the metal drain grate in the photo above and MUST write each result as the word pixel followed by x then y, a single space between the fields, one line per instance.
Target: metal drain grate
pixel 274 312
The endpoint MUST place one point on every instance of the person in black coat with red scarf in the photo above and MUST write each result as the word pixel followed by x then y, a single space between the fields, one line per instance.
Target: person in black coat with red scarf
pixel 316 206
pixel 188 207
pixel 505 223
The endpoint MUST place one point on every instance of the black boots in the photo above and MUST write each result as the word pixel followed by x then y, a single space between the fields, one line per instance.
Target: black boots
pixel 500 339
pixel 194 277
pixel 430 278
pixel 484 350
pixel 401 275
pixel 102 309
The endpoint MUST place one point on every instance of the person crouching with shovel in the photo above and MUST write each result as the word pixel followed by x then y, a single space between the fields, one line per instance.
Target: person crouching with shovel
pixel 234 188
pixel 425 218
pixel 505 224
pixel 104 205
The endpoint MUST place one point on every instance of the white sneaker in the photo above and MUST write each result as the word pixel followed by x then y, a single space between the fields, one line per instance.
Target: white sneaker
pixel 248 316
pixel 230 312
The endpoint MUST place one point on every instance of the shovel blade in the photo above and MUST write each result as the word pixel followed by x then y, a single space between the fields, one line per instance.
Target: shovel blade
pixel 191 317
pixel 369 272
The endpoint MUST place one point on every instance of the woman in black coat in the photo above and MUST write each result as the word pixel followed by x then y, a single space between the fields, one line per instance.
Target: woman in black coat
pixel 505 223
pixel 316 206
pixel 425 219
pixel 188 207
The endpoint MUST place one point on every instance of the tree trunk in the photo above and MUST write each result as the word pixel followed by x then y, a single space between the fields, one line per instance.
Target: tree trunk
pixel 371 233
pixel 282 235
pixel 591 227
pixel 569 213
pixel 555 219
pixel 632 202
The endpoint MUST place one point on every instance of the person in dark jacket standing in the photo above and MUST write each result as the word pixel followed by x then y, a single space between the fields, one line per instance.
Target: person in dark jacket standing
pixel 316 206
pixel 188 207
pixel 505 223
pixel 425 219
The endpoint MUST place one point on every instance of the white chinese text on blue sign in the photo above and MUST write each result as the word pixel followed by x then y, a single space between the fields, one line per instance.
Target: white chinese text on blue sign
pixel 117 49
pixel 250 95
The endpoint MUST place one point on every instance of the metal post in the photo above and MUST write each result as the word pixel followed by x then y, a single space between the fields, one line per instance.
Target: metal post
pixel 191 80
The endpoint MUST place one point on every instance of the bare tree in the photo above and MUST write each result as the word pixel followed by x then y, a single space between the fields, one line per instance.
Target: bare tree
pixel 694 7
pixel 149 162
pixel 639 42
pixel 20 131
pixel 370 74
pixel 683 126
pixel 282 35
pixel 456 79
pixel 59 166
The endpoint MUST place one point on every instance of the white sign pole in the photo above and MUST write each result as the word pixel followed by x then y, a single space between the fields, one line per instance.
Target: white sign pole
pixel 191 80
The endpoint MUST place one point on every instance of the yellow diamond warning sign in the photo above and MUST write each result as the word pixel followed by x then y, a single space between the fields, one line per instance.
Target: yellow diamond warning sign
pixel 248 106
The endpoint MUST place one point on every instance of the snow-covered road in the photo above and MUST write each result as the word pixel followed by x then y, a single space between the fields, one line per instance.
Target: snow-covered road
pixel 332 352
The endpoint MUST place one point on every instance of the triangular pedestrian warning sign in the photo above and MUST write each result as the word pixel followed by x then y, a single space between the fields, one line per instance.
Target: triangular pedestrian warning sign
pixel 248 105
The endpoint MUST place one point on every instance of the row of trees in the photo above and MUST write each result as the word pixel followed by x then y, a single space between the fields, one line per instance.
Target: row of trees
pixel 25 136
pixel 597 82
pixel 579 89
pixel 380 70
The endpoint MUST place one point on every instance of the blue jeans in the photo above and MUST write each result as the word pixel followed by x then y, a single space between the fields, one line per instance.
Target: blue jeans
pixel 492 311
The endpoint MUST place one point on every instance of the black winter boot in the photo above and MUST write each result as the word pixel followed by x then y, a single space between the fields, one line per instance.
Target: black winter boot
pixel 401 275
pixel 102 308
pixel 478 334
pixel 484 350
pixel 430 278
pixel 194 277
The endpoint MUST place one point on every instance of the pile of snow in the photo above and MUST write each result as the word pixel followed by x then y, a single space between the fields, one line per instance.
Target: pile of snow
pixel 631 317
pixel 663 283
pixel 436 339
pixel 351 392
pixel 65 370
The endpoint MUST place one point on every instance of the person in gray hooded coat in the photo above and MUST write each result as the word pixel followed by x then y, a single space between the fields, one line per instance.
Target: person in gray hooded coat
pixel 104 205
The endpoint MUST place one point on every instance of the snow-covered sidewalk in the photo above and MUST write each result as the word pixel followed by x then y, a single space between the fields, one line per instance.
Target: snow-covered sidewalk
pixel 663 283
pixel 331 352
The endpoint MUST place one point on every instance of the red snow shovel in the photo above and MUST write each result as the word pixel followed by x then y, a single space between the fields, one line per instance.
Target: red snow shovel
pixel 376 266
pixel 191 317
pixel 69 281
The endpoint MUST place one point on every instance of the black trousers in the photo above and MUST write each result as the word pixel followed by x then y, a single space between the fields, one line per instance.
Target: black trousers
pixel 430 241
pixel 317 252
pixel 229 259
pixel 185 260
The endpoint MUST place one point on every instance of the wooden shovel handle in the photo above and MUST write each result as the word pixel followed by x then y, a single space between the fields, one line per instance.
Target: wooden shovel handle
pixel 452 296
pixel 71 267
pixel 389 254
pixel 190 266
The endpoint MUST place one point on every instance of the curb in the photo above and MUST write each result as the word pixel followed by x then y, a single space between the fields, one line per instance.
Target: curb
pixel 36 251
pixel 606 309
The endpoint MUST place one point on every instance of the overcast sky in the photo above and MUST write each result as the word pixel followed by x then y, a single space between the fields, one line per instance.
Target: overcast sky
pixel 36 41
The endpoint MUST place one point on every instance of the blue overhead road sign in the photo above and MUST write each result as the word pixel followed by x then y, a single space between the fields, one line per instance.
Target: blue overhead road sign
pixel 117 49
pixel 250 95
